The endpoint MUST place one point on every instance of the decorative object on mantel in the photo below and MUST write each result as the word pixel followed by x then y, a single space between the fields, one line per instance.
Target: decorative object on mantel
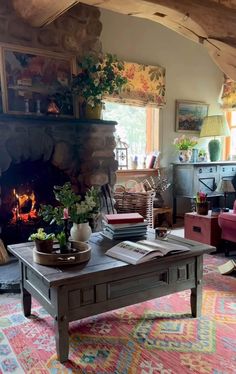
pixel 214 126
pixel 121 152
pixel 185 145
pixel 98 75
pixel 30 74
pixel 72 208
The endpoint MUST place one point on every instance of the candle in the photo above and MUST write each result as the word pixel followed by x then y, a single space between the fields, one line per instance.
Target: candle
pixel 65 213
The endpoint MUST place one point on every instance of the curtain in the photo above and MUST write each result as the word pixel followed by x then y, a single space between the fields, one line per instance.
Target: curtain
pixel 145 86
pixel 228 95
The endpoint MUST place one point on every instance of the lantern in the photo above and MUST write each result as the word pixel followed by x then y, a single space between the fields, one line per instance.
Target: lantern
pixel 121 154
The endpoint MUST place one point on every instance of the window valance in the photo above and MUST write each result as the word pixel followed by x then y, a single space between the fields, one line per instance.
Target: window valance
pixel 228 94
pixel 145 86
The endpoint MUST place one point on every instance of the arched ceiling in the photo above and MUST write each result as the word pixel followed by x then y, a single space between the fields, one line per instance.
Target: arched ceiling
pixel 209 22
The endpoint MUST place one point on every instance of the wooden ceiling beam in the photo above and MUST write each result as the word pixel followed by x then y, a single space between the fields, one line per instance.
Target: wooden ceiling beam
pixel 209 22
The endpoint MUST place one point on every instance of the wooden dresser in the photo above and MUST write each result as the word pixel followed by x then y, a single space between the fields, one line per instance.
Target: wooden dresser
pixel 189 178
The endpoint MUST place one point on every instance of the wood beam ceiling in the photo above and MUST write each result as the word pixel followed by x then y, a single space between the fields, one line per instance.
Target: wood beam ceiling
pixel 209 22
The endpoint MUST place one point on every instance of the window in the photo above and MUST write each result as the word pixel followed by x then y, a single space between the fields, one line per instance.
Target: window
pixel 138 127
pixel 231 141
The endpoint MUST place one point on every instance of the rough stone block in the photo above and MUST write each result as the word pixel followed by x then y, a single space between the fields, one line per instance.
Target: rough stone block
pixel 20 30
pixel 48 38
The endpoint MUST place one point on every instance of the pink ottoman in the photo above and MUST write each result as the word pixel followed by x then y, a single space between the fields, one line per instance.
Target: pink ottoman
pixel 227 222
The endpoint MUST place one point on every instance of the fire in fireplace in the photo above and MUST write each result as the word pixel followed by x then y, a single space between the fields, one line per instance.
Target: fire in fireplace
pixel 24 187
pixel 25 207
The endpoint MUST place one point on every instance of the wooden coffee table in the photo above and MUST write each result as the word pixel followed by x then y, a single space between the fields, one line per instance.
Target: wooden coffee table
pixel 103 283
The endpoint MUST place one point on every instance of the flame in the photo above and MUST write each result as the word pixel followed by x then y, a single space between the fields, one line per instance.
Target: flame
pixel 20 201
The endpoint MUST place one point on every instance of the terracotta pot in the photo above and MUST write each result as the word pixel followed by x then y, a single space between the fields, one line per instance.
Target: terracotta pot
pixel 202 208
pixel 93 112
pixel 45 246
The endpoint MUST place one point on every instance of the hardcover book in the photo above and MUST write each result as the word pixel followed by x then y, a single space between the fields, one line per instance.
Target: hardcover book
pixel 143 250
pixel 124 218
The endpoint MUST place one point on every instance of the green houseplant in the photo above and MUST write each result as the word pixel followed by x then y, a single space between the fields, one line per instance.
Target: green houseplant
pixel 76 209
pixel 43 241
pixel 98 75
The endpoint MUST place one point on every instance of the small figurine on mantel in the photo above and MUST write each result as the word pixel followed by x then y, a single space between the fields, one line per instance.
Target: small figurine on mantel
pixel 53 108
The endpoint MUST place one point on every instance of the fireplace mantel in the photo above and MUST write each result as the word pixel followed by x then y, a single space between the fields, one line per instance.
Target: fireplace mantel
pixel 50 119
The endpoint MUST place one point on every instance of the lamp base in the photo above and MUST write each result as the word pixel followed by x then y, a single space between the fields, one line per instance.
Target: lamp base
pixel 214 149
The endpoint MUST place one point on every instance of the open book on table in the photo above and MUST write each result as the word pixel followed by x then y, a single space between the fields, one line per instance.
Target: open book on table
pixel 143 250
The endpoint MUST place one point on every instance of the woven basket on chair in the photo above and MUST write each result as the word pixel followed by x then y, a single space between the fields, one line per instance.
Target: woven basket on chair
pixel 130 202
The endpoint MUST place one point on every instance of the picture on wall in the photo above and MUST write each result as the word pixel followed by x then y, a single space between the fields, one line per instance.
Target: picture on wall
pixel 32 80
pixel 189 115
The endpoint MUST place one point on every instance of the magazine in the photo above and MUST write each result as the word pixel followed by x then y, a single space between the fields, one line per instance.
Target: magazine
pixel 143 250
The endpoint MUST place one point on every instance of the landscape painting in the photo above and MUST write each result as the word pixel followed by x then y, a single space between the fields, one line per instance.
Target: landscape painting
pixel 189 115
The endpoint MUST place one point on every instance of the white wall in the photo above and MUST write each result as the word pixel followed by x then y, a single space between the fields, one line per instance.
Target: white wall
pixel 190 72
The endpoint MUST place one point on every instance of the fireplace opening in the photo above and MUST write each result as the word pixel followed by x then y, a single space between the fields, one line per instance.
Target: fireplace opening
pixel 24 187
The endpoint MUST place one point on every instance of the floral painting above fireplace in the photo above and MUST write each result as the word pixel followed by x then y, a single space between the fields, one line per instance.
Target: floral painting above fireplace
pixel 33 79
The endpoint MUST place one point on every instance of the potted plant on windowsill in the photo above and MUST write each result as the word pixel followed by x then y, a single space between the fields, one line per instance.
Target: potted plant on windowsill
pixel 98 76
pixel 43 241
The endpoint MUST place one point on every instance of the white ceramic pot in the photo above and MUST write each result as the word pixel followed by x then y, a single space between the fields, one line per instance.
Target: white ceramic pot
pixel 80 231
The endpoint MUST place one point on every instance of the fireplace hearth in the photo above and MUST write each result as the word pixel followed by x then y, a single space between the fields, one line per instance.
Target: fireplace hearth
pixel 39 153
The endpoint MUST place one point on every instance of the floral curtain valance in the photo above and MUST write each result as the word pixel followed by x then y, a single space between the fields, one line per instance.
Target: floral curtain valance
pixel 145 86
pixel 228 95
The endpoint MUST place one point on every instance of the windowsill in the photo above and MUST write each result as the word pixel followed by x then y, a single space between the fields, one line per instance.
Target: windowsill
pixel 136 171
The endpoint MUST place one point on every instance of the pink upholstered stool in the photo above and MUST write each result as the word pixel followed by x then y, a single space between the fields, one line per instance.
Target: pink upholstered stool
pixel 227 222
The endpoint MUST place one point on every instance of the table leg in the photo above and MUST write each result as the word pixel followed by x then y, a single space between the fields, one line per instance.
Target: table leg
pixel 196 292
pixel 60 301
pixel 62 338
pixel 25 301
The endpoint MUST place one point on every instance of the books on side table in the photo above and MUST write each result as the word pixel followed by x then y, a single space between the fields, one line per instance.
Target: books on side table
pixel 124 225
pixel 143 250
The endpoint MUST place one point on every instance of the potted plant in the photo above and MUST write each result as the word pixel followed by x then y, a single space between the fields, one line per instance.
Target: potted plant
pixel 79 211
pixel 43 241
pixel 98 76
pixel 185 145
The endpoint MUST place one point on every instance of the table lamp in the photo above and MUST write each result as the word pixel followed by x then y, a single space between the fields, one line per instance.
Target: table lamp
pixel 225 186
pixel 214 126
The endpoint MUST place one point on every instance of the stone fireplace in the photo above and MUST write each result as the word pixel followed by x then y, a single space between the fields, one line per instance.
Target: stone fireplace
pixel 38 153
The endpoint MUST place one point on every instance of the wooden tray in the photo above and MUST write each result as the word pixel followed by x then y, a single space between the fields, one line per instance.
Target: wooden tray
pixel 74 256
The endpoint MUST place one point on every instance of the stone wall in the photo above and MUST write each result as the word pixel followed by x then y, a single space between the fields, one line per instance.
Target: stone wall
pixel 75 32
pixel 82 150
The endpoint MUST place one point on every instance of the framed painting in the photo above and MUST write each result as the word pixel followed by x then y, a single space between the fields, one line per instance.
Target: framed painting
pixel 189 115
pixel 36 81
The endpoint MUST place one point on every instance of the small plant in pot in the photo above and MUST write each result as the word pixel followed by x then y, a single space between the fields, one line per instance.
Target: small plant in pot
pixel 43 241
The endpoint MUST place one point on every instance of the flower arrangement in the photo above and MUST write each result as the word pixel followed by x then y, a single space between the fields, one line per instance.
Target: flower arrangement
pixel 98 76
pixel 201 197
pixel 71 206
pixel 184 142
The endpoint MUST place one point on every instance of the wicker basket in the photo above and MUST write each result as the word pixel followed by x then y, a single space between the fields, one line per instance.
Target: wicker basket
pixel 130 202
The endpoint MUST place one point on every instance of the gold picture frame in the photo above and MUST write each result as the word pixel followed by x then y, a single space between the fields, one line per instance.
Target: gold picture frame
pixel 31 78
pixel 189 116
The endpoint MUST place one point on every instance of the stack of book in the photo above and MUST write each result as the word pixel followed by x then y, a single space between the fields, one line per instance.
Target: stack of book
pixel 124 225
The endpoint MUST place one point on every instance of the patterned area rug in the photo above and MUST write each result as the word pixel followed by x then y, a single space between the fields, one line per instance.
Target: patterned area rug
pixel 153 337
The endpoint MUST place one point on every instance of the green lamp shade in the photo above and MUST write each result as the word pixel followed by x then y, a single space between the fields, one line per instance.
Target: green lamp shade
pixel 214 149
